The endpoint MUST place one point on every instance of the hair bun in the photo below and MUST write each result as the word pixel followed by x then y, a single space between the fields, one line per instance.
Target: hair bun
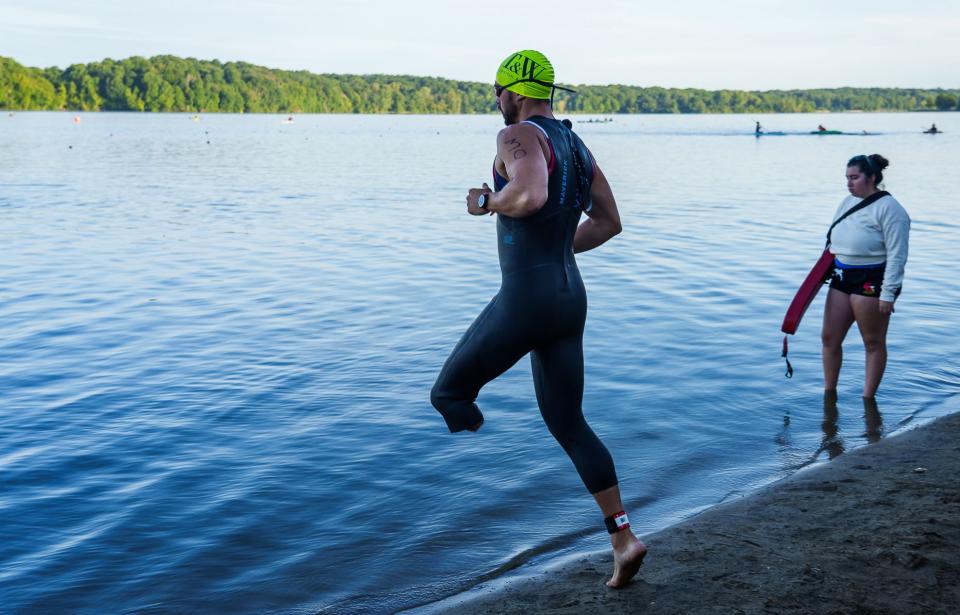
pixel 879 161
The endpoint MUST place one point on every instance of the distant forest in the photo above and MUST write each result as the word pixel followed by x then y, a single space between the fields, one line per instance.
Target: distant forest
pixel 169 83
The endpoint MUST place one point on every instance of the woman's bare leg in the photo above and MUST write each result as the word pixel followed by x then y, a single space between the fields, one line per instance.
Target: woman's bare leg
pixel 837 318
pixel 873 329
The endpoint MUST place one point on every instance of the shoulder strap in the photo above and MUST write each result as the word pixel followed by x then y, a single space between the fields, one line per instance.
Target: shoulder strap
pixel 542 129
pixel 546 135
pixel 876 196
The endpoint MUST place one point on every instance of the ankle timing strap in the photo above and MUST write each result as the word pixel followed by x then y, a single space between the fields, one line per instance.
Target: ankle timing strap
pixel 617 522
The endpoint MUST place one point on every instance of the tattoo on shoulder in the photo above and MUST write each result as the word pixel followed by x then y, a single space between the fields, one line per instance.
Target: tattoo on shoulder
pixel 516 149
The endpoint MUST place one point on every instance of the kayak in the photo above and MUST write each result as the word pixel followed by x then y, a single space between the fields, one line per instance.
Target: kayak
pixel 770 133
pixel 826 132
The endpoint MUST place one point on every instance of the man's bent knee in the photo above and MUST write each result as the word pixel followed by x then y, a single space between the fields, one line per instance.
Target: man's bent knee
pixel 458 413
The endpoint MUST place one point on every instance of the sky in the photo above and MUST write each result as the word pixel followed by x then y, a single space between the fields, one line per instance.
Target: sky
pixel 734 44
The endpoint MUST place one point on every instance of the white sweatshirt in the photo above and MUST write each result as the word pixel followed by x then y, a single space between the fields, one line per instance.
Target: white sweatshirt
pixel 878 233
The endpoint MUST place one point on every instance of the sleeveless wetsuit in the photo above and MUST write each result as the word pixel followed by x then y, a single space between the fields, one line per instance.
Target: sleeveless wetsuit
pixel 540 309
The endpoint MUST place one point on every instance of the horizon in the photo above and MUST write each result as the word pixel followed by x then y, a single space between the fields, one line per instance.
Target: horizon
pixel 415 76
pixel 743 45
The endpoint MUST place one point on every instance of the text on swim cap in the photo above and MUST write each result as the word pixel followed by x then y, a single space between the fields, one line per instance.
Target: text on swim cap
pixel 520 64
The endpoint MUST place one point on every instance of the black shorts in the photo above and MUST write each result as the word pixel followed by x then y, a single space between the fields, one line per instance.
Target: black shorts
pixel 864 281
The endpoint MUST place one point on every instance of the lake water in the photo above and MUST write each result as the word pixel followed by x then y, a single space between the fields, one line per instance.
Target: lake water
pixel 218 337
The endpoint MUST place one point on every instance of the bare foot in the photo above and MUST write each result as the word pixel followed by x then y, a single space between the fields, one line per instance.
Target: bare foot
pixel 628 555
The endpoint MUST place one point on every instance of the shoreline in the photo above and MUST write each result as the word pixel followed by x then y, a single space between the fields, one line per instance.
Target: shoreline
pixel 873 531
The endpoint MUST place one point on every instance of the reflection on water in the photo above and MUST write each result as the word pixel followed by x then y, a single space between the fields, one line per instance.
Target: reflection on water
pixel 872 419
pixel 832 442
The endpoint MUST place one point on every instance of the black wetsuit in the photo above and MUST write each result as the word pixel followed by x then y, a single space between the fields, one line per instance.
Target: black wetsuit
pixel 540 309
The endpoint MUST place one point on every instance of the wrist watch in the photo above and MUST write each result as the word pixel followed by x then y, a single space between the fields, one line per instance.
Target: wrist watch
pixel 482 201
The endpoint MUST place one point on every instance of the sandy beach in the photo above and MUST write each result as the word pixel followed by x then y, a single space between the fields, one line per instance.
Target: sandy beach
pixel 876 530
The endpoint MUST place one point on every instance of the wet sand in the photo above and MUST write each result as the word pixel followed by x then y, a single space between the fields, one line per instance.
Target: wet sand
pixel 876 530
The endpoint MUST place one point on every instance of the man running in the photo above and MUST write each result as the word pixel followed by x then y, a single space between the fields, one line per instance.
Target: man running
pixel 544 177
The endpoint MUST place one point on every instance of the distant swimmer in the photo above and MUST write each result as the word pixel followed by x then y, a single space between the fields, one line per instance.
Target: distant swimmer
pixel 289 120
pixel 932 130
pixel 76 119
pixel 545 178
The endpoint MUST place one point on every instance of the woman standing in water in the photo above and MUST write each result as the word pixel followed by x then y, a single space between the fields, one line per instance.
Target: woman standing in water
pixel 870 250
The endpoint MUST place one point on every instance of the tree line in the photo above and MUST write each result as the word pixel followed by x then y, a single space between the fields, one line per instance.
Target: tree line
pixel 169 83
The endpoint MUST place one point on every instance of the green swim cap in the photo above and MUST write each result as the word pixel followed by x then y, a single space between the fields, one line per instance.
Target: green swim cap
pixel 527 73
